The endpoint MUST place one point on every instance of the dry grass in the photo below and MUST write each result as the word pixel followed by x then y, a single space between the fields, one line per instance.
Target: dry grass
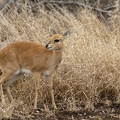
pixel 90 70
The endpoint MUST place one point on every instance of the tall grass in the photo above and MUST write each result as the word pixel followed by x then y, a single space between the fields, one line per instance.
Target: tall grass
pixel 90 69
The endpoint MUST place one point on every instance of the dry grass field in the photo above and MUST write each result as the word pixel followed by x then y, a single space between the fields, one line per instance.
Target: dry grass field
pixel 87 82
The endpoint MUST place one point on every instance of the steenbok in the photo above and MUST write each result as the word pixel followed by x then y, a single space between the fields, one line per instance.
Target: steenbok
pixel 27 57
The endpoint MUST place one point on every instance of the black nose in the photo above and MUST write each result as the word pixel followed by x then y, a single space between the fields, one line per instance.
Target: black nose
pixel 46 46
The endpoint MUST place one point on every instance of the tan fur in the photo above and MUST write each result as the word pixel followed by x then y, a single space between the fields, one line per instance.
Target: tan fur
pixel 27 57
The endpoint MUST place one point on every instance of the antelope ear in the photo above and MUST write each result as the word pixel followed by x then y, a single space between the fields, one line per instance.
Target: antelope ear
pixel 67 33
pixel 53 31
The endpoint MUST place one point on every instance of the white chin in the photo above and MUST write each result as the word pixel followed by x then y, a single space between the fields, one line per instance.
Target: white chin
pixel 50 48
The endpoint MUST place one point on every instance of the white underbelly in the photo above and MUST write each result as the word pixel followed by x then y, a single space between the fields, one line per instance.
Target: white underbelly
pixel 46 73
pixel 27 71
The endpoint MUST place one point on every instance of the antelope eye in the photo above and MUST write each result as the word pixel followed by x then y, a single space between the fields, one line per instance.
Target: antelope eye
pixel 56 41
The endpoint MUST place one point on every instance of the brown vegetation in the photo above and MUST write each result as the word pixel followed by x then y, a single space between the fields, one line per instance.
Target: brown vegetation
pixel 90 70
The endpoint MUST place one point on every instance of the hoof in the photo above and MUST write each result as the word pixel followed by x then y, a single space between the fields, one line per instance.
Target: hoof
pixel 54 107
pixel 35 108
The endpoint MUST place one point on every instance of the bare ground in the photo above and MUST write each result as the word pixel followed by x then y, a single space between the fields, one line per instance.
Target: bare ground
pixel 101 111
